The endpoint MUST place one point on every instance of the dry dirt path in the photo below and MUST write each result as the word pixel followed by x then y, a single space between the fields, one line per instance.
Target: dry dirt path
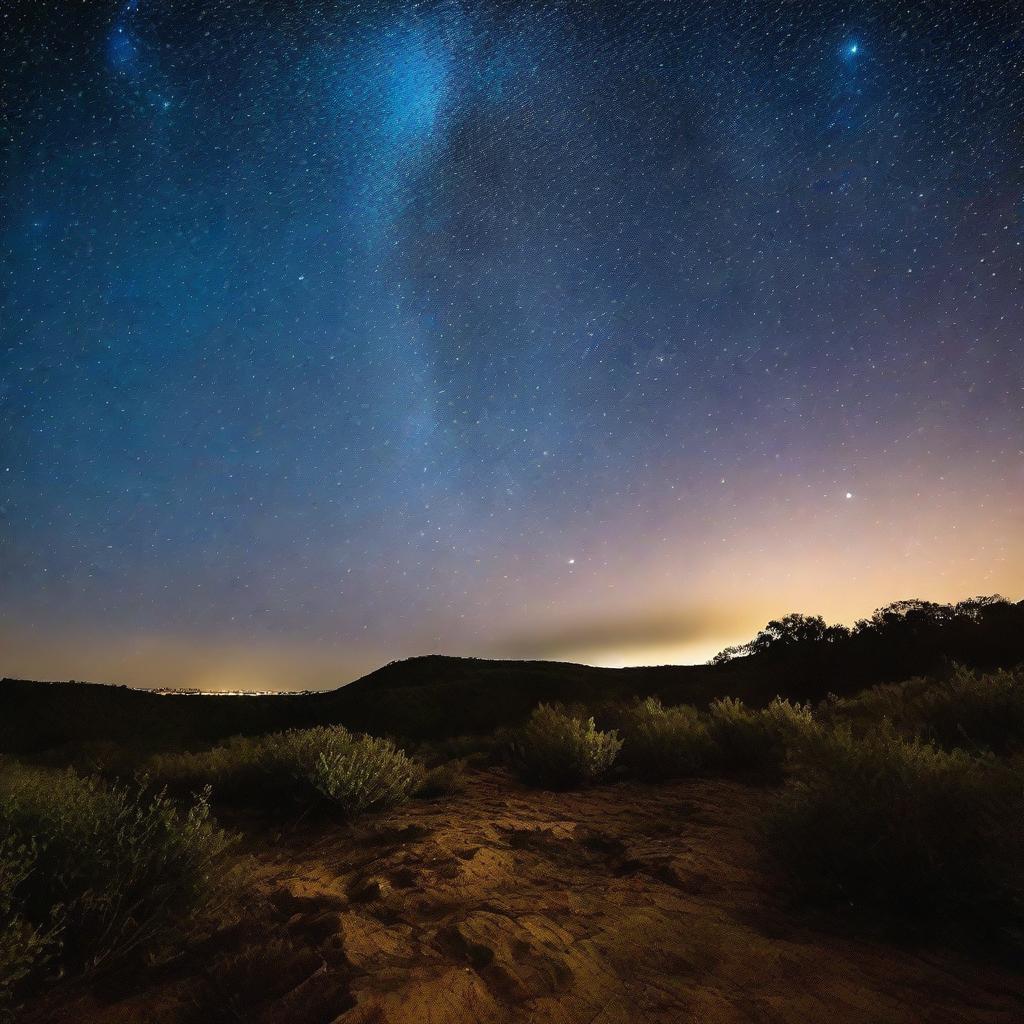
pixel 625 903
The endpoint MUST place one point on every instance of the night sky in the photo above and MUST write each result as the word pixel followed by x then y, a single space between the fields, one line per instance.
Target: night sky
pixel 334 333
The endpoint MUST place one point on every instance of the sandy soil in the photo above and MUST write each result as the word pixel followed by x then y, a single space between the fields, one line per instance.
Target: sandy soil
pixel 625 903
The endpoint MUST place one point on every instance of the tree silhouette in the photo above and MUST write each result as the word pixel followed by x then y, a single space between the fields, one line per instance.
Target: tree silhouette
pixel 905 638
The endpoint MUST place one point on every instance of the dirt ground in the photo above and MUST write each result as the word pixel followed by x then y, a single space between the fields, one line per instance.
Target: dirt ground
pixel 625 903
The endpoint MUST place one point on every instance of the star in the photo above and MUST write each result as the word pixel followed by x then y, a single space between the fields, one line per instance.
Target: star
pixel 537 312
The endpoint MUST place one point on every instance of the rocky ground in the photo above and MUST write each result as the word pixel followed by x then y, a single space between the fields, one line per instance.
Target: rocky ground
pixel 624 903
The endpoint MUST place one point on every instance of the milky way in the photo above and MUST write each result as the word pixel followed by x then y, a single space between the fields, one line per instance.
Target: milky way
pixel 336 333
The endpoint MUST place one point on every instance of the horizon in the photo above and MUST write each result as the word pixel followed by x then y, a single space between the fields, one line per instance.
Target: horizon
pixel 245 686
pixel 602 333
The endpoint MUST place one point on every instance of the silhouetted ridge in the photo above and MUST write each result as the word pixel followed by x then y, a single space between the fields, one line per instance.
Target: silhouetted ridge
pixel 435 696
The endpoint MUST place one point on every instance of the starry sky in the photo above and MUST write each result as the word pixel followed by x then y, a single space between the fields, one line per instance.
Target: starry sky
pixel 334 333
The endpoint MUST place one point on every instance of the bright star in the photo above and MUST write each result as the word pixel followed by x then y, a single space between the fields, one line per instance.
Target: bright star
pixel 849 494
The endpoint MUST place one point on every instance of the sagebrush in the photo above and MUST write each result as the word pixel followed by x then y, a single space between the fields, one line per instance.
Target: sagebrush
pixel 349 772
pixel 977 711
pixel 665 742
pixel 559 749
pixel 24 946
pixel 756 740
pixel 94 873
pixel 442 780
pixel 900 824
pixel 370 774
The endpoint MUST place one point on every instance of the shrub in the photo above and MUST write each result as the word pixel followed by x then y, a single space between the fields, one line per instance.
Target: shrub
pixel 663 743
pixel 470 749
pixel 352 773
pixel 117 866
pixel 24 946
pixel 975 711
pixel 367 774
pixel 442 780
pixel 558 750
pixel 750 740
pixel 899 823
pixel 230 769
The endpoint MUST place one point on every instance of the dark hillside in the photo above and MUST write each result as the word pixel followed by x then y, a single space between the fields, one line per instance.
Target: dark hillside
pixel 438 696
pixel 47 716
pixel 425 697
pixel 435 696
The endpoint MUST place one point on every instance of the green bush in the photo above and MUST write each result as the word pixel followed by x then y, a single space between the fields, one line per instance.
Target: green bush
pixel 230 769
pixel 367 774
pixel 442 780
pixel 557 749
pixel 114 867
pixel 352 773
pixel 664 743
pixel 967 709
pixel 479 750
pixel 24 946
pixel 749 740
pixel 896 823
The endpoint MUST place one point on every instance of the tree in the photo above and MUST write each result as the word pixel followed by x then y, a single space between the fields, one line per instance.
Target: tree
pixel 792 629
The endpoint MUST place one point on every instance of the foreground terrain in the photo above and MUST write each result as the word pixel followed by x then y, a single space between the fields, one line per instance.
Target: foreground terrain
pixel 624 902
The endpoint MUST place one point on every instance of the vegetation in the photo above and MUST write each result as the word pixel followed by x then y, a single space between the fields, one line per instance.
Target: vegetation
pixel 442 780
pixel 963 709
pixel 24 947
pixel 973 625
pixel 749 740
pixel 665 742
pixel 895 799
pixel 351 773
pixel 899 824
pixel 90 874
pixel 559 749
pixel 366 774
pixel 800 655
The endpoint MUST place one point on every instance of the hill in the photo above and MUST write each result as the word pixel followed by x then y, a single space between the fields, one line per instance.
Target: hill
pixel 425 697
pixel 435 696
